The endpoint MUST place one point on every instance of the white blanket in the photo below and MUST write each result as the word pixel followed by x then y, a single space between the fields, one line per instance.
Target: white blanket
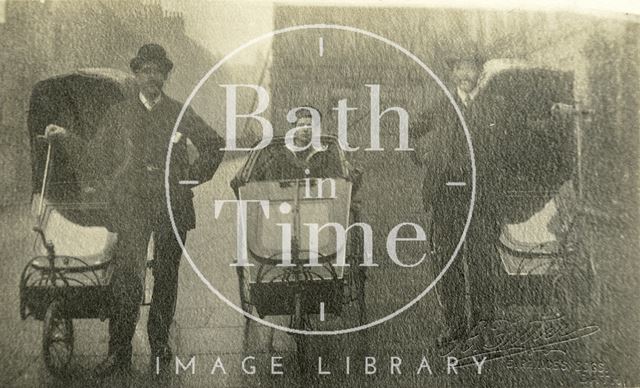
pixel 92 244
pixel 546 230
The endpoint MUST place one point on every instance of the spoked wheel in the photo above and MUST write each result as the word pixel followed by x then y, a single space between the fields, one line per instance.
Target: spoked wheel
pixel 57 339
pixel 243 288
pixel 298 323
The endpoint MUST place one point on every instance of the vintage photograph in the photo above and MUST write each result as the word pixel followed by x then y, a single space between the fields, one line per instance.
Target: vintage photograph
pixel 359 193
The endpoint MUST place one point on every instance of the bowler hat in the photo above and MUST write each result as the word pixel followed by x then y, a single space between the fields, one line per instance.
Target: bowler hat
pixel 473 57
pixel 151 53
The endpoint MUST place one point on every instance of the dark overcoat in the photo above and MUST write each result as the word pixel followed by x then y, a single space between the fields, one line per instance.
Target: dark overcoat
pixel 126 160
pixel 444 156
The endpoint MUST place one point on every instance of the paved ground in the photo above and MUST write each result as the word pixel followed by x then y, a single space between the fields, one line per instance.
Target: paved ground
pixel 207 328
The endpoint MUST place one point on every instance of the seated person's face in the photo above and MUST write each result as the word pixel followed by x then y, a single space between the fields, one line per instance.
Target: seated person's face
pixel 465 75
pixel 303 136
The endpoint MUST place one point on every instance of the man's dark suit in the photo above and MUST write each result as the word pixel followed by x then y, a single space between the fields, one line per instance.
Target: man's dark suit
pixel 445 158
pixel 132 144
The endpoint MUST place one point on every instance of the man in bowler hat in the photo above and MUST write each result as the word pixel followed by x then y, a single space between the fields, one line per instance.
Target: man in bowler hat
pixel 445 158
pixel 133 141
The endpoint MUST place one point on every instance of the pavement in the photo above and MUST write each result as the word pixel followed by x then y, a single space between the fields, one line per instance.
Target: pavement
pixel 218 339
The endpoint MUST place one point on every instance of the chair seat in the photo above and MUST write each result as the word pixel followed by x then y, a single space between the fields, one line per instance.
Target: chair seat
pixel 535 235
pixel 536 246
pixel 529 264
pixel 530 247
pixel 94 245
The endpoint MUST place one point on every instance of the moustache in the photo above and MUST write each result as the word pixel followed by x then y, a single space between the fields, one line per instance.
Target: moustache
pixel 156 84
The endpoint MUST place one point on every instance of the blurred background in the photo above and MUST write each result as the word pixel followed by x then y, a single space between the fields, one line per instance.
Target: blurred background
pixel 44 38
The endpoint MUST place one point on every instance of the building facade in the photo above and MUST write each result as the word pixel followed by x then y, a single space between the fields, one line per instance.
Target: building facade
pixel 45 38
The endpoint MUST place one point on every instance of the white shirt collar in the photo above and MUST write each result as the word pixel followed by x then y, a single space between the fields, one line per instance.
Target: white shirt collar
pixel 149 104
pixel 464 97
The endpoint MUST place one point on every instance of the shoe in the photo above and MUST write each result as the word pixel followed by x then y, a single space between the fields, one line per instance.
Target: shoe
pixel 113 364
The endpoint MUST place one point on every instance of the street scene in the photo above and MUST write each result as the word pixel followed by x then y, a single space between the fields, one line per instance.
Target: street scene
pixel 208 329
pixel 474 170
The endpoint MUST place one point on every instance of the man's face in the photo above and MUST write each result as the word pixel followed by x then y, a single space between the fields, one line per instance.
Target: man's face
pixel 465 75
pixel 303 136
pixel 150 79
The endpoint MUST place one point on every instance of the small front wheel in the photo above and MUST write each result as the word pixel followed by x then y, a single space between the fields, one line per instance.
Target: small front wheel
pixel 57 339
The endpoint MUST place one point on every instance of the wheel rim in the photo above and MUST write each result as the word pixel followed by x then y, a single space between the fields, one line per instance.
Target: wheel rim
pixel 57 341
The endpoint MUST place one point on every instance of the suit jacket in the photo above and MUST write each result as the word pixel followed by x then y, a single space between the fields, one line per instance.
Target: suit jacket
pixel 444 156
pixel 446 159
pixel 127 159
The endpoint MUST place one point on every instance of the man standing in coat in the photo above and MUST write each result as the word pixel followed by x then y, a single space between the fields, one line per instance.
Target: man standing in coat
pixel 445 159
pixel 132 142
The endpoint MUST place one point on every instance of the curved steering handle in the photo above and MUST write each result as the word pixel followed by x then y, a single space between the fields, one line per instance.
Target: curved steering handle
pixel 47 244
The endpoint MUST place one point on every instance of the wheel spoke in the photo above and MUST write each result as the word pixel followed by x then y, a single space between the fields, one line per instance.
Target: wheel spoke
pixel 57 339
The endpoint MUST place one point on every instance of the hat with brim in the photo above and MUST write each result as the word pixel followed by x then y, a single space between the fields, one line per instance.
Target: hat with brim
pixel 151 53
pixel 474 58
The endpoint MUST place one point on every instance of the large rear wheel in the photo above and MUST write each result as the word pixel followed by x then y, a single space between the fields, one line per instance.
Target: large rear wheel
pixel 57 339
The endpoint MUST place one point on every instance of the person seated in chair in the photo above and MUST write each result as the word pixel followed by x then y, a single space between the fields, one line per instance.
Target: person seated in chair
pixel 320 162
pixel 280 162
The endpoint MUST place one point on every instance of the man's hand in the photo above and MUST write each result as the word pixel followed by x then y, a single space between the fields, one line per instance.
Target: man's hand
pixel 55 132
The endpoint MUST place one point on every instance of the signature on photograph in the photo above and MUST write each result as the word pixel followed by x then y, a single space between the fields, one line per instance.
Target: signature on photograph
pixel 505 338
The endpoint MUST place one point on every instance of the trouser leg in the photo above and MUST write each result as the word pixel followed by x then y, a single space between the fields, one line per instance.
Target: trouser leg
pixel 482 259
pixel 167 253
pixel 127 288
pixel 446 234
pixel 449 210
pixel 452 287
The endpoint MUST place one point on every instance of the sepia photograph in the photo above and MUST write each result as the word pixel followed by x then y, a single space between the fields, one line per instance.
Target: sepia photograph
pixel 292 193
